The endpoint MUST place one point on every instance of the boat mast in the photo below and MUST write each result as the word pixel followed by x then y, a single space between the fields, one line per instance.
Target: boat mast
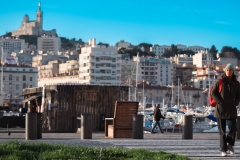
pixel 136 77
pixel 172 96
pixel 178 91
pixel 208 62
pixel 2 72
pixel 129 94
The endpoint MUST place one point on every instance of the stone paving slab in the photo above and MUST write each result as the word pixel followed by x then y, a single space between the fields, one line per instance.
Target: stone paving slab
pixel 202 146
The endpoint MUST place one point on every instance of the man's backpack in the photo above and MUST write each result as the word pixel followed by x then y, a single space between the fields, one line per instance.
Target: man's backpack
pixel 212 102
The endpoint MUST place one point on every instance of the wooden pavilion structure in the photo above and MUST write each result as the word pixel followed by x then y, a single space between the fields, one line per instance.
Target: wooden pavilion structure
pixel 66 102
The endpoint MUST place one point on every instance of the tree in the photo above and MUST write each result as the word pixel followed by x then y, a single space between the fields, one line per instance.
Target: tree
pixel 122 50
pixel 171 52
pixel 230 52
pixel 187 52
pixel 145 47
pixel 103 44
pixel 213 51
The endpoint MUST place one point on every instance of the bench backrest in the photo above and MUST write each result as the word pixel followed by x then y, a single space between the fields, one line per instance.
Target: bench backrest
pixel 123 114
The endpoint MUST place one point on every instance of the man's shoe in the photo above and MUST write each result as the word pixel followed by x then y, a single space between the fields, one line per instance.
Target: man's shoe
pixel 224 154
pixel 230 148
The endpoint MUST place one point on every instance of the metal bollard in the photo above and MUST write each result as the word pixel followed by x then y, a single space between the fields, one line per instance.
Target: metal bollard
pixel 238 127
pixel 39 125
pixel 1 114
pixel 187 128
pixel 31 126
pixel 86 126
pixel 137 128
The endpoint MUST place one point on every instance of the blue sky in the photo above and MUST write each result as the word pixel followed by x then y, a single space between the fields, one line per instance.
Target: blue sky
pixel 188 22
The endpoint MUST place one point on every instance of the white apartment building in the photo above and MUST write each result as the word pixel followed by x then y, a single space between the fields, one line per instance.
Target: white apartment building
pixel 123 44
pixel 11 45
pixel 128 71
pixel 225 60
pixel 49 70
pixel 202 58
pixel 23 58
pixel 99 64
pixel 71 66
pixel 16 77
pixel 166 72
pixel 181 59
pixel 196 48
pixel 159 49
pixel 182 47
pixel 47 43
pixel 201 77
pixel 154 70
pixel 58 73
pixel 42 59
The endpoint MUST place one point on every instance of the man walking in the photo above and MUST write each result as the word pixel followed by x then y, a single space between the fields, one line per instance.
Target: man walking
pixel 157 116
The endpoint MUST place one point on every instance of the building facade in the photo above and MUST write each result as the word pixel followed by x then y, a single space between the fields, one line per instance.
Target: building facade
pixel 16 78
pixel 99 64
pixel 9 45
pixel 160 49
pixel 47 43
pixel 154 70
pixel 202 58
pixel 181 59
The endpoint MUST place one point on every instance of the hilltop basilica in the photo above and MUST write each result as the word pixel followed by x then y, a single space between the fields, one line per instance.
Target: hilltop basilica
pixel 33 27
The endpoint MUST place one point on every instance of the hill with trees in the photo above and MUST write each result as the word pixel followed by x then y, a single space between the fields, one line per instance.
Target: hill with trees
pixel 143 49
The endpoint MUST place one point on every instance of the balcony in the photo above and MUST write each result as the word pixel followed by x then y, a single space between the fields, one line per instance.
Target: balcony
pixel 195 96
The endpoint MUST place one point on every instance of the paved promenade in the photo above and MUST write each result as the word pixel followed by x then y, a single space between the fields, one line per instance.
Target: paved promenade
pixel 202 146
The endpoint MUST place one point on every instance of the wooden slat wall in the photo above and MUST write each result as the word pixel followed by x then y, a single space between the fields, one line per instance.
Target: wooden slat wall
pixel 70 101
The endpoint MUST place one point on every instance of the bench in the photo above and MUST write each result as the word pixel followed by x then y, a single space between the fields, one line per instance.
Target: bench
pixel 122 121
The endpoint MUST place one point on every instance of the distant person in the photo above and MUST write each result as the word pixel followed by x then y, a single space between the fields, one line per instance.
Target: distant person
pixel 226 111
pixel 157 116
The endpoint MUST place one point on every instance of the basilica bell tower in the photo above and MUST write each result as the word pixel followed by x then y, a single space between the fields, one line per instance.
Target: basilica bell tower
pixel 39 15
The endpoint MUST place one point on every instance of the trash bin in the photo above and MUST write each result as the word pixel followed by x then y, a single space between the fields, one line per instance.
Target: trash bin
pixel 86 126
pixel 31 126
pixel 137 127
pixel 187 128
pixel 238 127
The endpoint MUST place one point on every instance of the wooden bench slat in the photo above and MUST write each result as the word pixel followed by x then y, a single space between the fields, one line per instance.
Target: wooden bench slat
pixel 122 121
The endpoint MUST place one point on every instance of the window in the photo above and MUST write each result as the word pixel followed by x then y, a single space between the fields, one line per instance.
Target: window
pixel 10 77
pixel 24 85
pixel 17 78
pixel 30 78
pixel 24 78
pixel 10 86
pixel 17 86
